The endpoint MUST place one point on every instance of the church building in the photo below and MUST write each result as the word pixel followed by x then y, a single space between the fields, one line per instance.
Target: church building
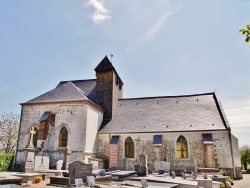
pixel 92 118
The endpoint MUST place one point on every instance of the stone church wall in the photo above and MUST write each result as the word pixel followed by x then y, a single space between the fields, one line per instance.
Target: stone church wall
pixel 236 153
pixel 81 120
pixel 144 144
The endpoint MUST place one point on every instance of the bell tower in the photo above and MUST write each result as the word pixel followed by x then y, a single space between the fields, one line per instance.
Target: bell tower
pixel 108 87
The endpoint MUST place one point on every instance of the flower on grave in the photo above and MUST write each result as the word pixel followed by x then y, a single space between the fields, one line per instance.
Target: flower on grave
pixel 228 184
pixel 37 179
pixel 223 172
pixel 222 185
pixel 231 180
pixel 205 176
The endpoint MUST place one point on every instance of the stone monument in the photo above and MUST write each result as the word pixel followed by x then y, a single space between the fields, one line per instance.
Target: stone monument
pixel 59 164
pixel 30 162
pixel 67 154
pixel 77 170
pixel 31 145
pixel 30 155
pixel 143 165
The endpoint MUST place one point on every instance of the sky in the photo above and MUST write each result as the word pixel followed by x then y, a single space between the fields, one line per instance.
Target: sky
pixel 159 48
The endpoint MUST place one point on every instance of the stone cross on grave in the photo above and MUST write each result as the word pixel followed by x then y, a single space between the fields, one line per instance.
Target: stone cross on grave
pixel 32 132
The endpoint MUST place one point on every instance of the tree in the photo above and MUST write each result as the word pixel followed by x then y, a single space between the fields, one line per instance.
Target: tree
pixel 9 124
pixel 245 155
pixel 246 32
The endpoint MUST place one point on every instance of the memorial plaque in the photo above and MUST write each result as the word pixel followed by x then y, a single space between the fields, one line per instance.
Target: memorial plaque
pixel 41 163
pixel 79 182
pixel 161 165
pixel 77 170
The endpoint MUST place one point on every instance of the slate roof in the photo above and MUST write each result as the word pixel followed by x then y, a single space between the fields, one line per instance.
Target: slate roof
pixel 167 114
pixel 77 90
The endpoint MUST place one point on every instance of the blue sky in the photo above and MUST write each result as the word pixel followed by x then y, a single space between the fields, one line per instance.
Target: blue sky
pixel 160 48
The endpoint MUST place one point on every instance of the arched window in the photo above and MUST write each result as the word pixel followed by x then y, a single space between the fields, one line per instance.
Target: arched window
pixel 129 148
pixel 63 137
pixel 181 147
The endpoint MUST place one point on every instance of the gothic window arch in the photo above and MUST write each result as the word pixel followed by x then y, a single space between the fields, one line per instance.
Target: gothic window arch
pixel 129 148
pixel 181 147
pixel 63 137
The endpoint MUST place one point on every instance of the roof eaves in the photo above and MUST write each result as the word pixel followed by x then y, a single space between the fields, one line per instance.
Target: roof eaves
pixel 157 132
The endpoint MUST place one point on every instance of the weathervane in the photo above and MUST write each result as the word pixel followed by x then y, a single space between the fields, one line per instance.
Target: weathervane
pixel 111 55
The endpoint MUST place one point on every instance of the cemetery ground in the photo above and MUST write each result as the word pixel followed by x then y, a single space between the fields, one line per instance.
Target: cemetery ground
pixel 241 183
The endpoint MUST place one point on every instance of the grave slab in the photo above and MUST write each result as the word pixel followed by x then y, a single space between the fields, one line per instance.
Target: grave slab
pixel 28 176
pixel 178 180
pixel 121 174
pixel 9 179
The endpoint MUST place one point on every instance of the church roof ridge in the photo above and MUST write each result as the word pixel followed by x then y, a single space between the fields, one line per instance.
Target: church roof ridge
pixel 73 81
pixel 174 96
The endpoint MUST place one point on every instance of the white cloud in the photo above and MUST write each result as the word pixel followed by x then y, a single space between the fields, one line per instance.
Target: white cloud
pixel 100 14
pixel 153 30
pixel 238 114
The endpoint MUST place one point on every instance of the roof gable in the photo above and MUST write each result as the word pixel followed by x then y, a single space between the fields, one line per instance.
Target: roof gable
pixel 63 92
pixel 105 64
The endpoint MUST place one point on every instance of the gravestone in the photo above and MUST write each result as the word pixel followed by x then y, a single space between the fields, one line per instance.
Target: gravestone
pixel 30 157
pixel 59 164
pixel 144 183
pixel 67 155
pixel 77 170
pixel 41 163
pixel 143 165
pixel 161 165
pixel 30 163
pixel 173 175
pixel 150 168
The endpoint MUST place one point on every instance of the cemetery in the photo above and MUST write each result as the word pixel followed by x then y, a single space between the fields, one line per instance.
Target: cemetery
pixel 79 174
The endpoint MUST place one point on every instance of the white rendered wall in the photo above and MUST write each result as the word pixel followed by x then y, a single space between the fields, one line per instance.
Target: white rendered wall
pixel 94 120
pixel 73 116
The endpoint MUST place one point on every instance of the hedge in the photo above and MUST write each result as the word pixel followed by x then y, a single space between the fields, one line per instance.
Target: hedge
pixel 6 162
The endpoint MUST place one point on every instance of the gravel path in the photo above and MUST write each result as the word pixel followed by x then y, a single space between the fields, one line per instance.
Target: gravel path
pixel 243 183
